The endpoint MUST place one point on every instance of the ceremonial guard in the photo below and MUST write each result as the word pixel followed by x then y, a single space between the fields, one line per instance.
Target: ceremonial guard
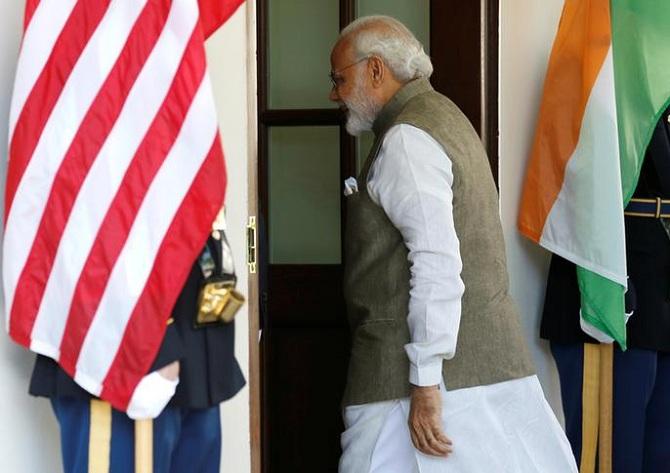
pixel 187 434
pixel 641 375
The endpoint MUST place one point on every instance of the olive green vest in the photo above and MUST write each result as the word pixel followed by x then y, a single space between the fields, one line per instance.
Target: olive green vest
pixel 490 345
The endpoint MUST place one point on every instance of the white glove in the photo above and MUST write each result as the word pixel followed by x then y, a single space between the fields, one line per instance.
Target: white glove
pixel 151 396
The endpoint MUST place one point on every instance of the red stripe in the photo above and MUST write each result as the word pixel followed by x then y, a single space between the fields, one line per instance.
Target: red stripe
pixel 31 6
pixel 116 226
pixel 178 251
pixel 214 13
pixel 76 33
pixel 85 147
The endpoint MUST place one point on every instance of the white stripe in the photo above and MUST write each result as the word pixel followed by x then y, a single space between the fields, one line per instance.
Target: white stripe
pixel 154 217
pixel 44 29
pixel 106 174
pixel 80 90
pixel 592 331
pixel 586 223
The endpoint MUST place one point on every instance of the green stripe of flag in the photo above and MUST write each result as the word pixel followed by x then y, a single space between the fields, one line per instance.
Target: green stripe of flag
pixel 602 304
pixel 641 52
pixel 641 48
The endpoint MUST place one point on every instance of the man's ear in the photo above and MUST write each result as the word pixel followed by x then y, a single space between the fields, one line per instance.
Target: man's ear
pixel 377 70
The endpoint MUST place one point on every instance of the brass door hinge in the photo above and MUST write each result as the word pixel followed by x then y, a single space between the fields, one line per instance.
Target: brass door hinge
pixel 251 245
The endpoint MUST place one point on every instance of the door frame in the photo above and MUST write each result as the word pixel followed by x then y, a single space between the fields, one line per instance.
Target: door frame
pixel 253 290
pixel 266 118
pixel 475 32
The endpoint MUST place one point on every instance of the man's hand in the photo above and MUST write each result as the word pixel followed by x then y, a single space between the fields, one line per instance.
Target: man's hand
pixel 425 422
pixel 170 371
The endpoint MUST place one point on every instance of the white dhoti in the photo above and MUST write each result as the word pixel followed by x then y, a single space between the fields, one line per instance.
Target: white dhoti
pixel 503 428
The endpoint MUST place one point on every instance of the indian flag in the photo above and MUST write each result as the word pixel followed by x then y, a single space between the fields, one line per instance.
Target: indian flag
pixel 607 84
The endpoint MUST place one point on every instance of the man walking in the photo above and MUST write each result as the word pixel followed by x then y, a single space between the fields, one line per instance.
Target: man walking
pixel 439 378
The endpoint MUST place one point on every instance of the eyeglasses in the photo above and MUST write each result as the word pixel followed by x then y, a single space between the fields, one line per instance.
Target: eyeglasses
pixel 336 77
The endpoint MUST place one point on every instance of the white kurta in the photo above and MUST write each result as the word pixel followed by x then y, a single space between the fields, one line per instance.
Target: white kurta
pixel 504 427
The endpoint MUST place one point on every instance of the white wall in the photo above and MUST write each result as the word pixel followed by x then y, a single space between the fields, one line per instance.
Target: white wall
pixel 28 432
pixel 227 54
pixel 527 32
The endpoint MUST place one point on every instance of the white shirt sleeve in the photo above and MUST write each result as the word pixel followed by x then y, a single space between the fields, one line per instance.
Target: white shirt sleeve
pixel 411 180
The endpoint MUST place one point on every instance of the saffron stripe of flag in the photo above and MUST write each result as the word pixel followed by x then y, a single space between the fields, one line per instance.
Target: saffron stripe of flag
pixel 115 176
pixel 572 203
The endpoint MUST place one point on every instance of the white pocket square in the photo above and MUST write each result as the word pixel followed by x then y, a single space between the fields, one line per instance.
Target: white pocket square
pixel 350 186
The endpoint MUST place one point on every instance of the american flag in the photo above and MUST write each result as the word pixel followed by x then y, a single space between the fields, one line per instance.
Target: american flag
pixel 115 176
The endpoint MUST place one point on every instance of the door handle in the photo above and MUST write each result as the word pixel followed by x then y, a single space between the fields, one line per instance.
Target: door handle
pixel 252 250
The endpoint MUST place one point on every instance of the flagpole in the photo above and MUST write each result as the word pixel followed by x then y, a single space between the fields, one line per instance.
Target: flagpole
pixel 606 395
pixel 144 446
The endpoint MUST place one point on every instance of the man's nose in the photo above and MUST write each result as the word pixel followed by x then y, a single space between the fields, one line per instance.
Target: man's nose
pixel 334 96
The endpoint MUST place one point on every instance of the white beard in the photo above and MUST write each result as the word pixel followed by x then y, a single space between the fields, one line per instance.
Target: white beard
pixel 361 111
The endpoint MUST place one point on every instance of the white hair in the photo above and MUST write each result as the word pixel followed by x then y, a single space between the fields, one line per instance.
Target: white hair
pixel 393 43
